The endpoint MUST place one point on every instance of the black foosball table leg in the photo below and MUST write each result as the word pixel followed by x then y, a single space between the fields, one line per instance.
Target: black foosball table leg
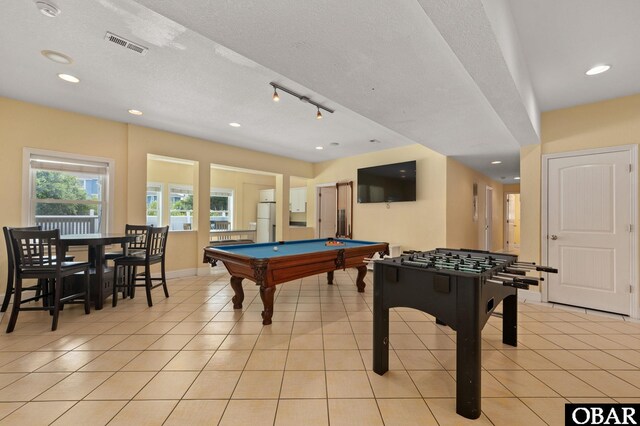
pixel 380 326
pixel 381 341
pixel 510 320
pixel 468 352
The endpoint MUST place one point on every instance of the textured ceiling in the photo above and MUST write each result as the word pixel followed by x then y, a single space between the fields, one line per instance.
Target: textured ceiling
pixel 563 39
pixel 449 77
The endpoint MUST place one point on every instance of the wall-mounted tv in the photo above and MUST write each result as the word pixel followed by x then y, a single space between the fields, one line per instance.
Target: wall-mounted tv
pixel 388 183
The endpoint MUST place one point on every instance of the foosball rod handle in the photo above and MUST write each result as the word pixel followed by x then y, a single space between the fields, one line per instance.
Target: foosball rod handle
pixel 519 285
pixel 547 269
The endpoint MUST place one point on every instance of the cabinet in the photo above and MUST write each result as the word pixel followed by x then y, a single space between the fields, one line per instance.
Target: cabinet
pixel 298 200
pixel 267 196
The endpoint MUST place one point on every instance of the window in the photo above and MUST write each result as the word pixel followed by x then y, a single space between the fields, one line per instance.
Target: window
pixel 154 204
pixel 68 192
pixel 221 208
pixel 180 207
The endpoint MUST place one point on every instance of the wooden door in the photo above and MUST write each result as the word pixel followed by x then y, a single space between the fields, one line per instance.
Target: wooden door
pixel 327 211
pixel 589 230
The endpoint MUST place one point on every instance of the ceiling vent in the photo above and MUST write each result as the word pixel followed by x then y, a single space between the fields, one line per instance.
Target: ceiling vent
pixel 125 43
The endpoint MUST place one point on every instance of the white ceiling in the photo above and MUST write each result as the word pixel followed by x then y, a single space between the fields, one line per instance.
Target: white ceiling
pixel 564 38
pixel 402 72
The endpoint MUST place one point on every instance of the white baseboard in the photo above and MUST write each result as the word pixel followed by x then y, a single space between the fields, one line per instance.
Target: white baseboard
pixel 190 272
pixel 530 295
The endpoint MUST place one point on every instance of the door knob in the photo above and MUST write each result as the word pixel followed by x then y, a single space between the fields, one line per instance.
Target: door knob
pixel 554 237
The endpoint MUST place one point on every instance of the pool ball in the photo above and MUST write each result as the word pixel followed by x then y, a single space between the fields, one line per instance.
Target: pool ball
pixel 275 249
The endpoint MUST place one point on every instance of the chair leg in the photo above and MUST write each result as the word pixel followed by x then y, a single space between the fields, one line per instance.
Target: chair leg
pixel 15 309
pixel 132 286
pixel 9 290
pixel 87 292
pixel 56 302
pixel 147 284
pixel 114 296
pixel 48 289
pixel 164 280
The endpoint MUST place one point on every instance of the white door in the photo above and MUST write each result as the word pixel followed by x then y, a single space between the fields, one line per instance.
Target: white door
pixel 513 222
pixel 589 240
pixel 327 211
pixel 488 221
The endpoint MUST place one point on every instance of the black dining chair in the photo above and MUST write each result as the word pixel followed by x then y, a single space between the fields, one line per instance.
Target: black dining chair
pixel 154 253
pixel 39 255
pixel 136 247
pixel 11 269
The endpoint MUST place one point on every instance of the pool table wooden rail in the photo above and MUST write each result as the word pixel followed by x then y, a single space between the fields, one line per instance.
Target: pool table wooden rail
pixel 268 272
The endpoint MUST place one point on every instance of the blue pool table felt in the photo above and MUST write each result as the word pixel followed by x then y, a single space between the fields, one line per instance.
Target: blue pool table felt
pixel 266 251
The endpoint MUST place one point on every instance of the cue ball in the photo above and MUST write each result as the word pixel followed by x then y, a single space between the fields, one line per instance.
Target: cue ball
pixel 275 249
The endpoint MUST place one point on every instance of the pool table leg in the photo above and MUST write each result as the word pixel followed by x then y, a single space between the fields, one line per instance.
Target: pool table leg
pixel 236 285
pixel 362 272
pixel 266 294
pixel 330 277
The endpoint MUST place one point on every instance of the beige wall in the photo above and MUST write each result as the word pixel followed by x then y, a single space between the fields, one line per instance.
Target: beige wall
pixel 28 125
pixel 419 225
pixel 462 230
pixel 185 252
pixel 601 124
pixel 413 225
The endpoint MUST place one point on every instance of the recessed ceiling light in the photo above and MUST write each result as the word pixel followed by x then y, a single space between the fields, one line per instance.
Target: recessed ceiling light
pixel 334 144
pixel 374 141
pixel 47 9
pixel 70 78
pixel 598 69
pixel 135 112
pixel 496 162
pixel 58 57
pixel 319 147
pixel 234 124
pixel 517 178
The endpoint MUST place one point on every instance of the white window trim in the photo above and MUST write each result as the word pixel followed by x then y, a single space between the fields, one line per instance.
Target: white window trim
pixel 26 181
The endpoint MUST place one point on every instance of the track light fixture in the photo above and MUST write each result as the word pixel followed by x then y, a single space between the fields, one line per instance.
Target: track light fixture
pixel 276 98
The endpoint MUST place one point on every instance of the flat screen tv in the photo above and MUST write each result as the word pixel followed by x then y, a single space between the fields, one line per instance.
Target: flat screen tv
pixel 388 183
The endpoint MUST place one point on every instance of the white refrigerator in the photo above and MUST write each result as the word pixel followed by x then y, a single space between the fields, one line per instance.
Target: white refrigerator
pixel 266 223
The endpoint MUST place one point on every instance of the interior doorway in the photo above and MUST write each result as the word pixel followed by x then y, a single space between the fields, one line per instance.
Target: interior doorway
pixel 488 219
pixel 512 222
pixel 326 207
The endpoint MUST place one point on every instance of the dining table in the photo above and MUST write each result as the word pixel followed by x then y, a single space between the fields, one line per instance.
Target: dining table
pixel 101 288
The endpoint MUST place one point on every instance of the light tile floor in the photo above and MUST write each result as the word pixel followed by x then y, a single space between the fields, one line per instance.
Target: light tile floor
pixel 192 359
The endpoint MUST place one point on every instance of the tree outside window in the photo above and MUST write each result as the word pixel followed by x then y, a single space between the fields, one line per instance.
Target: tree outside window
pixel 67 193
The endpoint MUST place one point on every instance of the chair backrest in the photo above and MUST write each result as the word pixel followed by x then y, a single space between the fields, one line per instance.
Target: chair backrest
pixel 141 231
pixel 35 248
pixel 157 241
pixel 8 239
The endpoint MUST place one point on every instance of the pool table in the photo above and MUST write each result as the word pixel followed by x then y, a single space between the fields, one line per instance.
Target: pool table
pixel 269 264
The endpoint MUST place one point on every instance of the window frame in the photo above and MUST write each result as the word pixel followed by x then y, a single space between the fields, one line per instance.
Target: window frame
pixel 28 184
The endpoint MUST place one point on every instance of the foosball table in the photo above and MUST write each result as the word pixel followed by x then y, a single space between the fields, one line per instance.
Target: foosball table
pixel 461 289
